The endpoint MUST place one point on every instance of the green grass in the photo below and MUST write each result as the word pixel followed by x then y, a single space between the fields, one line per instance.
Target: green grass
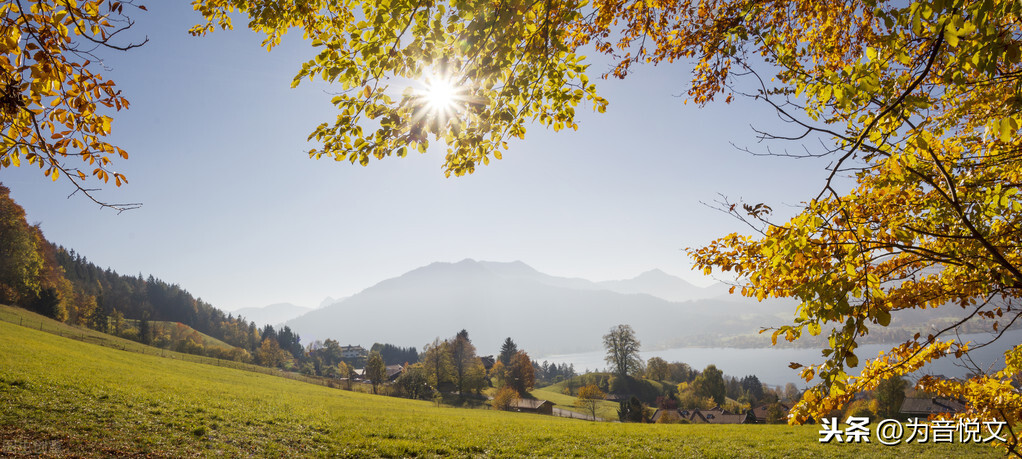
pixel 605 410
pixel 205 340
pixel 35 321
pixel 80 399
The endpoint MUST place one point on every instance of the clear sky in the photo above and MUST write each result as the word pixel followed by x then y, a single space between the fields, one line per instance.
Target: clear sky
pixel 236 213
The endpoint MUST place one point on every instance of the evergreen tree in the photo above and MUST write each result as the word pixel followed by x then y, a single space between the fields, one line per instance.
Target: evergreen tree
pixel 507 350
pixel 753 388
pixel 631 410
pixel 145 332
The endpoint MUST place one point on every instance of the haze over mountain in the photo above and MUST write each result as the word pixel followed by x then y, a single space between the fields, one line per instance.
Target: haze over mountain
pixel 273 314
pixel 544 314
pixel 662 285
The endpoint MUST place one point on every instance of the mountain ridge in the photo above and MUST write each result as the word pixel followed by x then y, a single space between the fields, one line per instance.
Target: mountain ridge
pixel 494 300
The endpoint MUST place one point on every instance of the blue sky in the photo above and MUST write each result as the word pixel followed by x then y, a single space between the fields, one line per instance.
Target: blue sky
pixel 235 211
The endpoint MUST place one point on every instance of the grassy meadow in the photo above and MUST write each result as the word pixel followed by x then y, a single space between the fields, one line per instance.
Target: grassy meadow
pixel 66 397
pixel 555 393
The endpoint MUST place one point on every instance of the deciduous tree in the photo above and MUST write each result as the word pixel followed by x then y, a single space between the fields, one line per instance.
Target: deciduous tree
pixel 521 376
pixel 657 369
pixel 376 370
pixel 890 394
pixel 20 260
pixel 622 351
pixel 344 370
pixel 710 383
pixel 436 359
pixel 53 101
pixel 589 398
pixel 498 374
pixel 414 382
pixel 504 399
pixel 270 354
pixel 468 369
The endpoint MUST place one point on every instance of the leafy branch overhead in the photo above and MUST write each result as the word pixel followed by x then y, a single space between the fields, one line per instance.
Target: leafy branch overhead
pixel 53 104
pixel 511 63
pixel 920 103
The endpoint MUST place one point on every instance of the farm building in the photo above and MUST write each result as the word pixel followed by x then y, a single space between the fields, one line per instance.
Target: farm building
pixel 923 407
pixel 716 416
pixel 525 405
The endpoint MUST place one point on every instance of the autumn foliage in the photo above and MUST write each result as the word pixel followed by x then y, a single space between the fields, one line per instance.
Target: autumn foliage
pixel 589 398
pixel 54 105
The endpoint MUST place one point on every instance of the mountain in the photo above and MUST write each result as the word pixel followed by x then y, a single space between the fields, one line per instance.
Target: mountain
pixel 543 314
pixel 654 282
pixel 330 300
pixel 666 286
pixel 273 314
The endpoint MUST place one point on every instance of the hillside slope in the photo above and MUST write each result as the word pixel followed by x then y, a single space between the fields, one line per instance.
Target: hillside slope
pixel 65 398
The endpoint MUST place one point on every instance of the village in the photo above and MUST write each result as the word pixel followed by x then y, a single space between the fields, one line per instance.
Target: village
pixel 663 393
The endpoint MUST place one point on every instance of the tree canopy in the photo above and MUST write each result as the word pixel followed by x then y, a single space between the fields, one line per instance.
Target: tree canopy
pixel 919 105
pixel 504 64
pixel 622 351
pixel 54 104
pixel 376 370
pixel 710 384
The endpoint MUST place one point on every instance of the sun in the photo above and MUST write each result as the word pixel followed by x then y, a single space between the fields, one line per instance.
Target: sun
pixel 441 95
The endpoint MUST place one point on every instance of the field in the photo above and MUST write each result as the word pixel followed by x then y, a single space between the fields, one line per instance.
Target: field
pixel 604 410
pixel 65 397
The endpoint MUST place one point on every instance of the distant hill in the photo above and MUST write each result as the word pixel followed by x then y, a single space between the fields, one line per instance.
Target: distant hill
pixel 666 286
pixel 273 314
pixel 542 313
pixel 654 282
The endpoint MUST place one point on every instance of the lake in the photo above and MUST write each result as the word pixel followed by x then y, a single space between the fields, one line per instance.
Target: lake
pixel 770 365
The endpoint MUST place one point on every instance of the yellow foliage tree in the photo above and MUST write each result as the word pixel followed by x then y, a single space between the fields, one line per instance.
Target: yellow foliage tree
pixel 589 398
pixel 504 399
pixel 52 102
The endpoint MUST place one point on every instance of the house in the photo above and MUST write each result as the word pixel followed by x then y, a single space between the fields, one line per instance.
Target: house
pixel 617 397
pixel 488 361
pixel 761 413
pixel 527 405
pixel 394 372
pixel 665 415
pixel 924 407
pixel 714 416
pixel 353 352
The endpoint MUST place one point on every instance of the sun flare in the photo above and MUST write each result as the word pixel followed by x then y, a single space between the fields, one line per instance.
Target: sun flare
pixel 441 95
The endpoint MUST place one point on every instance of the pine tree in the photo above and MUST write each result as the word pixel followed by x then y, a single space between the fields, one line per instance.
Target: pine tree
pixel 507 350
